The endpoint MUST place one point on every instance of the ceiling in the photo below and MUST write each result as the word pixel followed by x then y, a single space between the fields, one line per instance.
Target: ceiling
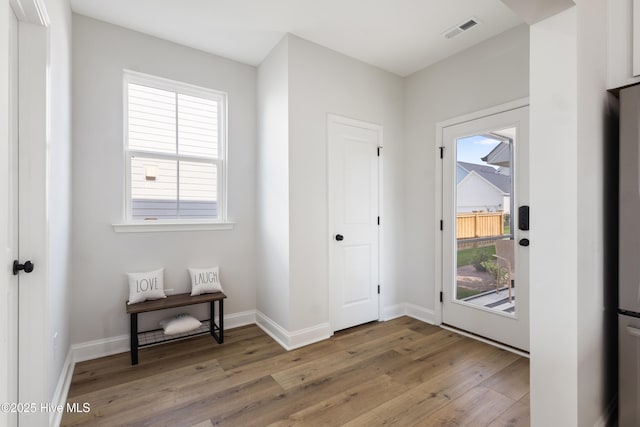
pixel 400 36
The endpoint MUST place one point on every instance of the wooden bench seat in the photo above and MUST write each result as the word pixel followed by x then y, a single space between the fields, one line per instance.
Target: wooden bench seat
pixel 172 301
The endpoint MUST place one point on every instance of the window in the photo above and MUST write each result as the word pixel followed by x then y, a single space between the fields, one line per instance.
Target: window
pixel 175 145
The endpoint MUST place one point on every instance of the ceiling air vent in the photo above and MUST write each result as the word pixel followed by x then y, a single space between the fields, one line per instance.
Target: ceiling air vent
pixel 459 29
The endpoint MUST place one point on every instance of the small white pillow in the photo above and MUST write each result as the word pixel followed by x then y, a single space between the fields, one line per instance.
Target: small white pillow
pixel 179 324
pixel 144 286
pixel 205 281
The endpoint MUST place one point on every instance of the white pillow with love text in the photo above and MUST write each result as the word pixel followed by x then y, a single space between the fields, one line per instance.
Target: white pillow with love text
pixel 144 286
pixel 205 280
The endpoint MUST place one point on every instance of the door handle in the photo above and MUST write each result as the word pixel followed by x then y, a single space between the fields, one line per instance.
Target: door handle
pixel 27 267
pixel 524 242
pixel 633 331
pixel 339 237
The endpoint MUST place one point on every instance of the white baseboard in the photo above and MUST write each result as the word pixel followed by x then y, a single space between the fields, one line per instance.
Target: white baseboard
pixel 289 340
pixel 420 313
pixel 237 320
pixel 62 389
pixel 292 340
pixel 274 330
pixel 120 344
pixel 393 312
pixel 411 310
pixel 100 348
pixel 304 337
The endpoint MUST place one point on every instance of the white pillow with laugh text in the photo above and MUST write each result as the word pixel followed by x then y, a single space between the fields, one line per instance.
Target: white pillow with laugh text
pixel 205 280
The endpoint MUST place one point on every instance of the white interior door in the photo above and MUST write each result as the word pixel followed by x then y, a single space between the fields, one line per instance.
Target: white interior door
pixel 485 251
pixel 9 217
pixel 35 341
pixel 353 213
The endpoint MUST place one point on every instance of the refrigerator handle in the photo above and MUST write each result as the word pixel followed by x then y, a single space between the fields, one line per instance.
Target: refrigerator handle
pixel 633 331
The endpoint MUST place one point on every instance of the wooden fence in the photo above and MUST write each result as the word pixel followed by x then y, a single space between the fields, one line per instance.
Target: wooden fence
pixel 470 225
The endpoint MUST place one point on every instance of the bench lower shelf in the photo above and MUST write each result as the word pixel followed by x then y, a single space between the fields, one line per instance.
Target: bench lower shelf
pixel 157 336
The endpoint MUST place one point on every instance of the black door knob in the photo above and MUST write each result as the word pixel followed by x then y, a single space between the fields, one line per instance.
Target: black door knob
pixel 524 242
pixel 27 267
pixel 339 237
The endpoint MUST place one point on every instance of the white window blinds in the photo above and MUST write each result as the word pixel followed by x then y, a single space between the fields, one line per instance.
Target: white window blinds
pixel 174 147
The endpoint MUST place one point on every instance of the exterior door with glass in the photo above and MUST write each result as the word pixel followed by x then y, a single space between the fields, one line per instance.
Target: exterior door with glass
pixel 485 267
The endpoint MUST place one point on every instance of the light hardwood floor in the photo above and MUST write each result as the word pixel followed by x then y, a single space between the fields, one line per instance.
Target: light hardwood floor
pixel 401 372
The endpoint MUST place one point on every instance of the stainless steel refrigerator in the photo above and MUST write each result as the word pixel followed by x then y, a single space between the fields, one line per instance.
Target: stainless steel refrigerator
pixel 629 260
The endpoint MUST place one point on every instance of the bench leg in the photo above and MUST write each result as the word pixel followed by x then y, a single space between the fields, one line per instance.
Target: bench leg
pixel 219 337
pixel 134 338
pixel 212 321
pixel 221 320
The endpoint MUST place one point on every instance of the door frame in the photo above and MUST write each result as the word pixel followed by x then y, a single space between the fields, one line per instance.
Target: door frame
pixel 438 200
pixel 8 196
pixel 34 335
pixel 335 118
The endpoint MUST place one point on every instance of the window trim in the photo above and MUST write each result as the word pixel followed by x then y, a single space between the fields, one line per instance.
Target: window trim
pixel 129 224
pixel 160 226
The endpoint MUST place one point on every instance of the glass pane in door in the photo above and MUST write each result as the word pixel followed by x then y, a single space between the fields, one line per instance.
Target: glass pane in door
pixel 485 257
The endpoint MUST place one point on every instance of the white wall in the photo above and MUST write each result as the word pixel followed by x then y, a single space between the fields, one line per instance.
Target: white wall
pixel 101 257
pixel 594 351
pixel 554 234
pixel 491 73
pixel 273 296
pixel 59 181
pixel 571 352
pixel 322 81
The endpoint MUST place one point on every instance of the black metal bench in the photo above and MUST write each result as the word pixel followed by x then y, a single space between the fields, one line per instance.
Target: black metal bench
pixel 172 301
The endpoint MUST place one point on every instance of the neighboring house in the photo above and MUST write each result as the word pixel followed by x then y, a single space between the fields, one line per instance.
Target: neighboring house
pixel 482 188
pixel 499 156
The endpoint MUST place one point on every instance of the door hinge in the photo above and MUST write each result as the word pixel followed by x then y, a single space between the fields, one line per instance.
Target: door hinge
pixel 378 289
pixel 441 296
pixel 378 220
pixel 441 152
pixel 441 225
pixel 379 151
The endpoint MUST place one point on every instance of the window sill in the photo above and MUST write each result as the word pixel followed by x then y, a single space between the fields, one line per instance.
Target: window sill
pixel 152 227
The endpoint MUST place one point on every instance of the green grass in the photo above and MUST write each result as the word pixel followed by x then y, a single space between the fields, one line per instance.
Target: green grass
pixel 507 229
pixel 467 256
